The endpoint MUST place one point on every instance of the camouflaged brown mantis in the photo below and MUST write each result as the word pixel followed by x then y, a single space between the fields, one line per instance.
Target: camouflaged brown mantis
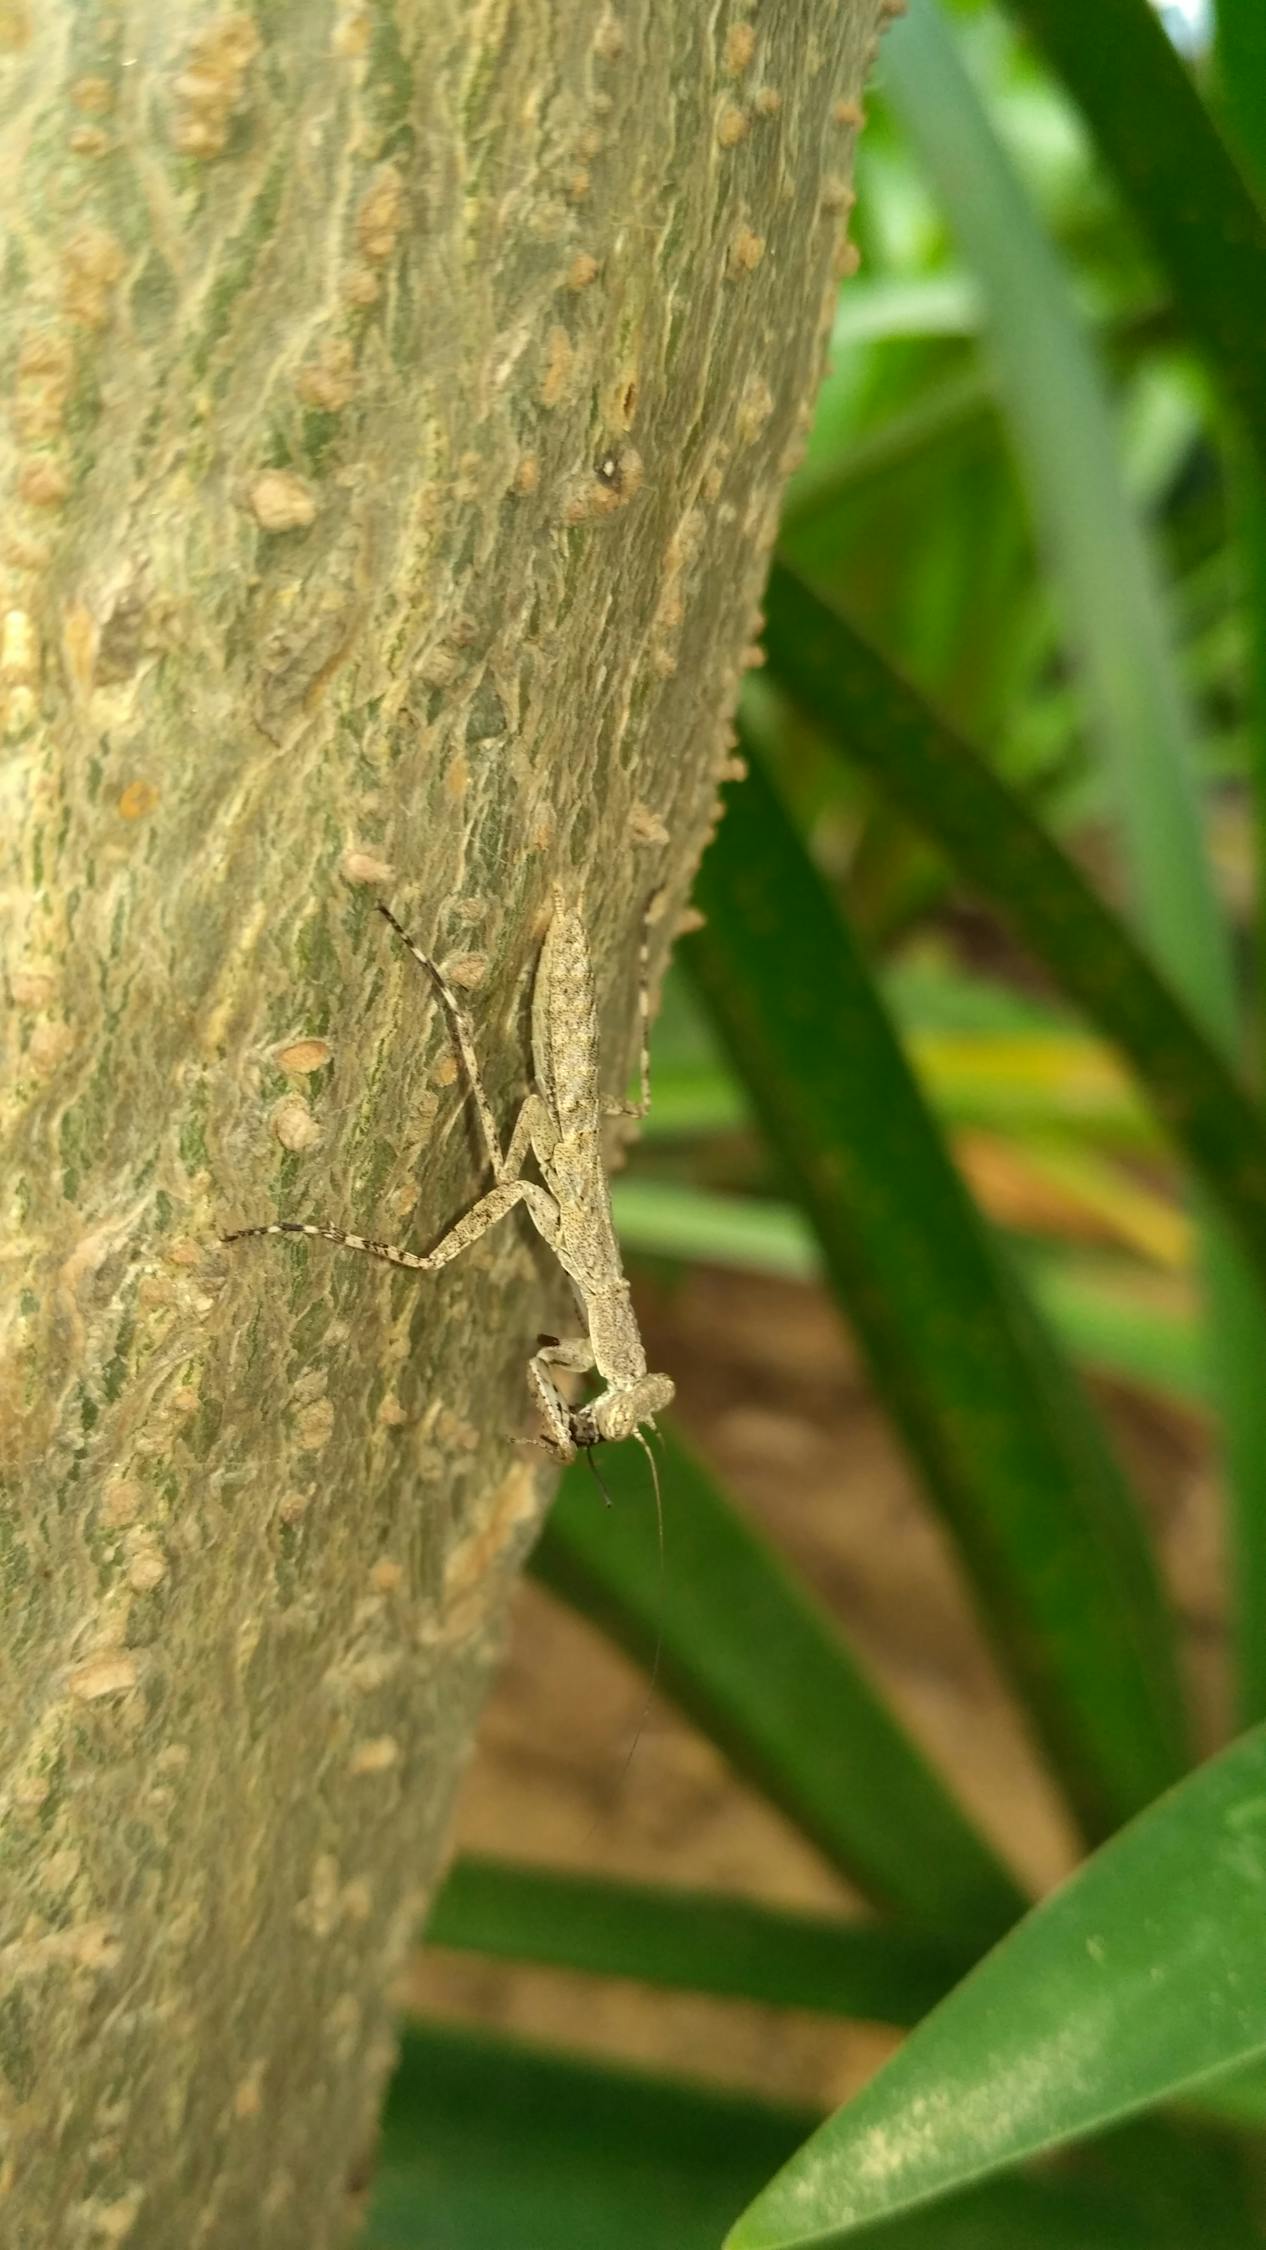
pixel 560 1125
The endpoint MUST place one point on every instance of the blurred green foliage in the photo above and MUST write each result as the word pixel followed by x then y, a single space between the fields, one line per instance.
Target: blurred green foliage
pixel 1016 677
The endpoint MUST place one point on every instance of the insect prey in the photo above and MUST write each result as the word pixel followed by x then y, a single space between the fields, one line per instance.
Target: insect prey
pixel 560 1126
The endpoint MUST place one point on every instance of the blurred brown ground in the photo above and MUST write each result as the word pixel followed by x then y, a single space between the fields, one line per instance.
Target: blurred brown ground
pixel 769 1389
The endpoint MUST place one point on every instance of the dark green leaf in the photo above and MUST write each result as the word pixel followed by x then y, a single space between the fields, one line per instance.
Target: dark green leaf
pixel 1007 1443
pixel 492 2146
pixel 940 782
pixel 696 1941
pixel 1241 82
pixel 754 1661
pixel 1206 231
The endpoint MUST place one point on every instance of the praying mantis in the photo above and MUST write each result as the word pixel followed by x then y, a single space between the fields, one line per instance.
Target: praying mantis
pixel 559 1125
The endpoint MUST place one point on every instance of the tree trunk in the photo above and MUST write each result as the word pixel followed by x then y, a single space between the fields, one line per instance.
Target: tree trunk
pixel 400 393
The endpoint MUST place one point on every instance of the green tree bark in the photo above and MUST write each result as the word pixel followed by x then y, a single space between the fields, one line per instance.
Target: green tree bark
pixel 399 398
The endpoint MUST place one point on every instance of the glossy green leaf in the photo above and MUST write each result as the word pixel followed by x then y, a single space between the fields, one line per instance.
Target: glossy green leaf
pixel 489 2143
pixel 1238 2096
pixel 694 1941
pixel 1142 1977
pixel 1145 2186
pixel 802 1723
pixel 940 782
pixel 1205 229
pixel 1006 1442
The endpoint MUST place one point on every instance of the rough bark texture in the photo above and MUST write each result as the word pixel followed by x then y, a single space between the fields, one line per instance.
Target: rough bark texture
pixel 399 396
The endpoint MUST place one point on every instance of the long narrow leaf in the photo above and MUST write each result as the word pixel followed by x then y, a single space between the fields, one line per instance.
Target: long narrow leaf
pixel 693 1941
pixel 1057 407
pixel 1143 1977
pixel 880 723
pixel 751 1658
pixel 1206 231
pixel 1007 1444
pixel 1241 82
pixel 1118 633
